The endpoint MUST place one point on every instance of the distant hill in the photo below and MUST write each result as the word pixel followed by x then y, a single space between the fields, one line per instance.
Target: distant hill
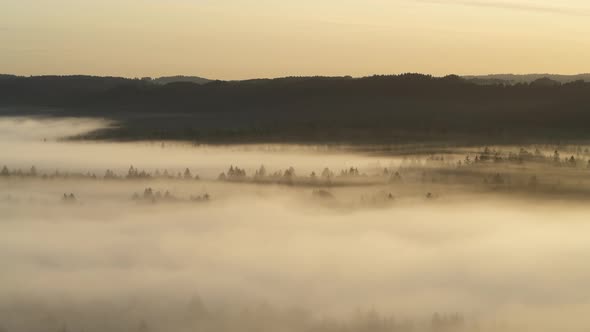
pixel 511 79
pixel 386 108
pixel 180 78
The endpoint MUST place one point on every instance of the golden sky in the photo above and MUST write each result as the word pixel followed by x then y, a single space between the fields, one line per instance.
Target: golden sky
pixel 236 39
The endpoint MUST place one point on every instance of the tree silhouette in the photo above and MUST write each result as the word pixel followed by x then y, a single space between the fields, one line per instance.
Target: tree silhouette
pixel 556 157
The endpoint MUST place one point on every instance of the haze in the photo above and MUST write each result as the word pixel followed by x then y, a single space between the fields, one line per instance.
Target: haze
pixel 294 166
pixel 261 254
pixel 238 39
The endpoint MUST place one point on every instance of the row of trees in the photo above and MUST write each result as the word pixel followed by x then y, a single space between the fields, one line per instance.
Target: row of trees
pixel 524 155
pixel 234 173
pixel 133 173
pixel 423 170
pixel 196 315
pixel 151 196
pixel 239 174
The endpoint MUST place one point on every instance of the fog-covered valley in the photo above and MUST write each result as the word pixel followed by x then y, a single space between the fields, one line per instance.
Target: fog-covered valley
pixel 160 236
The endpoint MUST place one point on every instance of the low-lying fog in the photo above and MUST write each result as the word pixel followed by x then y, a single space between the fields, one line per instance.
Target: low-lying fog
pixel 24 141
pixel 432 250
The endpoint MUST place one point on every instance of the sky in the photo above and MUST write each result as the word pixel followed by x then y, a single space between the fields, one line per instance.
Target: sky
pixel 238 39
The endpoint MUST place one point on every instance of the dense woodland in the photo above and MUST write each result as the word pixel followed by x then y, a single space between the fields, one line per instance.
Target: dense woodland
pixel 373 109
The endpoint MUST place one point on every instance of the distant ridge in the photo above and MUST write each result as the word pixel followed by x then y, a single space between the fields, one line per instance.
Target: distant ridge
pixel 181 78
pixel 160 80
pixel 489 79
pixel 512 79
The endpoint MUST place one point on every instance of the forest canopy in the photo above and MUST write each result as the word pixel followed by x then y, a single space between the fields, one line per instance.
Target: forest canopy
pixel 319 109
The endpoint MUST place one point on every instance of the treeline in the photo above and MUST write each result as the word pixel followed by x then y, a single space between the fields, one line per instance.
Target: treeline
pixel 315 109
pixel 149 315
pixel 525 78
pixel 492 158
pixel 76 90
pixel 132 174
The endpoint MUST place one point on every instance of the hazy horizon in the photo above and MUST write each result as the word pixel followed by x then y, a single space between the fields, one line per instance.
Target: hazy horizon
pixel 189 75
pixel 238 39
